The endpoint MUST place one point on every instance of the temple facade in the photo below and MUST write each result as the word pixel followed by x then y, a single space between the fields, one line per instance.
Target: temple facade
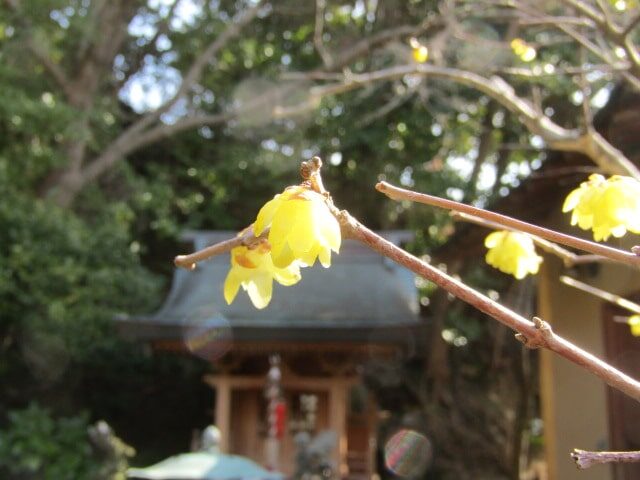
pixel 320 334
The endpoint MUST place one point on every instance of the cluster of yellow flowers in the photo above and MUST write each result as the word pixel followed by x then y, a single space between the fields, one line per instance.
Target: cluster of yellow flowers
pixel 513 253
pixel 606 206
pixel 301 230
pixel 523 50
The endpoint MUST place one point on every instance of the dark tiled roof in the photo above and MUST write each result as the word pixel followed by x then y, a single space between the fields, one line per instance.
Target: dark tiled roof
pixel 362 291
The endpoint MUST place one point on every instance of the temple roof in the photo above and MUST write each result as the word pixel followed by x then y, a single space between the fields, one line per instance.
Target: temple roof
pixel 362 293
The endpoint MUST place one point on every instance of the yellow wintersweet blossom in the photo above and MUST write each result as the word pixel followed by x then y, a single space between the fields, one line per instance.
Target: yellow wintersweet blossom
pixel 513 253
pixel 606 206
pixel 301 227
pixel 419 52
pixel 253 269
pixel 523 50
pixel 634 324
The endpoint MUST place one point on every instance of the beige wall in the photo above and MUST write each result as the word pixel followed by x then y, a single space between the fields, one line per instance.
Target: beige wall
pixel 573 401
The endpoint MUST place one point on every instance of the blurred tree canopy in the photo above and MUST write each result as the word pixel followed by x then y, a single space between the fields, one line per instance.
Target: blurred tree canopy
pixel 124 122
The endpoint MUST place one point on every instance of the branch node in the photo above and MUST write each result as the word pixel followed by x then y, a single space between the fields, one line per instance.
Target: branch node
pixel 544 327
pixel 636 250
pixel 310 172
pixel 540 338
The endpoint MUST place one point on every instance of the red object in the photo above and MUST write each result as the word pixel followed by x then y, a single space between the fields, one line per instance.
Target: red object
pixel 281 418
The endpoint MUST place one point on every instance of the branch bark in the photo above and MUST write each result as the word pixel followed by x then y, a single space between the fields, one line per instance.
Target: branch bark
pixel 626 258
pixel 585 459
pixel 69 184
pixel 592 144
pixel 536 334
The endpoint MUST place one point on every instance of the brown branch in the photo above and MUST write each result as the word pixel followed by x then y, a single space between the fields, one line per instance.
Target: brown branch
pixel 318 33
pixel 612 32
pixel 533 334
pixel 55 71
pixel 572 70
pixel 592 144
pixel 485 146
pixel 603 294
pixel 139 134
pixel 246 238
pixel 568 258
pixel 633 23
pixel 585 459
pixel 395 193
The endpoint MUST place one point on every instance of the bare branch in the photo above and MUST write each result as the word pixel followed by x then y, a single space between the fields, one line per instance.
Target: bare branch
pixel 603 294
pixel 592 144
pixel 138 135
pixel 40 53
pixel 318 33
pixel 195 70
pixel 536 334
pixel 633 23
pixel 246 238
pixel 568 257
pixel 626 258
pixel 588 11
pixel 540 73
pixel 585 459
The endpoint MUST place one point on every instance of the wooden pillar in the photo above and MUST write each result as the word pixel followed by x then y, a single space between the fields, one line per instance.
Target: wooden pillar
pixel 338 423
pixel 223 411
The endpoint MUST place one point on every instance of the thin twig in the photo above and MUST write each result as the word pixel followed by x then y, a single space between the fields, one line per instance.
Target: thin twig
pixel 246 237
pixel 585 459
pixel 569 70
pixel 568 257
pixel 318 41
pixel 603 294
pixel 621 256
pixel 631 25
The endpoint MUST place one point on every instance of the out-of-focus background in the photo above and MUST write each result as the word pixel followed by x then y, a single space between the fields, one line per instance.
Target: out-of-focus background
pixel 134 130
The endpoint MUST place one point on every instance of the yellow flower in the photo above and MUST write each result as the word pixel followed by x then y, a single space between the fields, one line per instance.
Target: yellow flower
pixel 254 271
pixel 608 207
pixel 419 52
pixel 513 253
pixel 634 324
pixel 523 50
pixel 301 227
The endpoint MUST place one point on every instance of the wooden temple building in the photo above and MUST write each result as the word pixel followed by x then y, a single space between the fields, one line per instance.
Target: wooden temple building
pixel 324 330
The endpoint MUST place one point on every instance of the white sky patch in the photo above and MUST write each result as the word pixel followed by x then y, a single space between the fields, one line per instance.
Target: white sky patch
pixel 462 165
pixel 487 177
pixel 455 194
pixel 536 141
pixel 335 159
pixel 152 86
pixel 601 97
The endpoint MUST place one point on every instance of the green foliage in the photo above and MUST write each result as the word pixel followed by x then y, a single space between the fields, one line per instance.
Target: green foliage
pixel 35 445
pixel 62 280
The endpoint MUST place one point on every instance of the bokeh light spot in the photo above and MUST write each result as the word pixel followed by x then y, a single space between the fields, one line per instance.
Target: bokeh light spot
pixel 208 334
pixel 407 453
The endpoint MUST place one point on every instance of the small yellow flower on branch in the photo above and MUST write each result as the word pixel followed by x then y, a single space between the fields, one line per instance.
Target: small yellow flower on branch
pixel 513 253
pixel 523 50
pixel 419 51
pixel 606 206
pixel 302 228
pixel 634 324
pixel 253 269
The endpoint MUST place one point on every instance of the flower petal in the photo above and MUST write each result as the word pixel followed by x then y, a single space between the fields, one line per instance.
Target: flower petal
pixel 260 289
pixel 265 215
pixel 231 286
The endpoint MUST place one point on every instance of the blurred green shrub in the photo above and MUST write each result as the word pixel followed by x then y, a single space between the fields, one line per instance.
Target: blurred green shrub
pixel 35 445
